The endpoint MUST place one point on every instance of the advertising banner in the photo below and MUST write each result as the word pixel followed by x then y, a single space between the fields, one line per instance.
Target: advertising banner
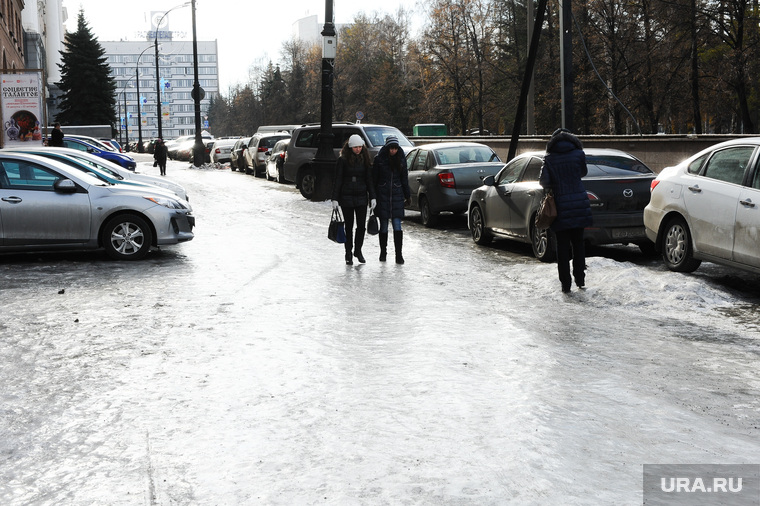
pixel 21 96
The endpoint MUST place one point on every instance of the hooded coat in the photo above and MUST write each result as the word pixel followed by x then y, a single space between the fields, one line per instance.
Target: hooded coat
pixel 391 186
pixel 564 166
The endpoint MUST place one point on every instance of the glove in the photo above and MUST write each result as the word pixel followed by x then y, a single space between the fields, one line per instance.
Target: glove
pixel 335 204
pixel 372 204
pixel 408 201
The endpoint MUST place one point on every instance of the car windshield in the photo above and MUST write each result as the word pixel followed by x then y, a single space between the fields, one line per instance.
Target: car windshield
pixel 466 154
pixel 614 165
pixel 378 134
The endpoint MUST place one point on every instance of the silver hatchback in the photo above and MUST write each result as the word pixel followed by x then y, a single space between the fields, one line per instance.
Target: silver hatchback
pixel 45 205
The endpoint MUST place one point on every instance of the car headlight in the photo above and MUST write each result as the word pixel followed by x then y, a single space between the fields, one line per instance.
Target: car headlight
pixel 166 202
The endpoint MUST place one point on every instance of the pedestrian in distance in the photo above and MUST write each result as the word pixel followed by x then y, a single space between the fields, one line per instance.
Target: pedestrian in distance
pixel 353 190
pixel 392 189
pixel 159 155
pixel 56 136
pixel 564 166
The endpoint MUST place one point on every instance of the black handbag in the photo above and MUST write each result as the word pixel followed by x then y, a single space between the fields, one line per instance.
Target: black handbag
pixel 373 225
pixel 337 231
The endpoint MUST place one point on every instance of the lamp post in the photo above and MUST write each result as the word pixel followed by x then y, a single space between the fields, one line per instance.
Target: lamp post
pixel 158 74
pixel 140 148
pixel 324 160
pixel 197 95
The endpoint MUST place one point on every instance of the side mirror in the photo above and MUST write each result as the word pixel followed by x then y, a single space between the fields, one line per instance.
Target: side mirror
pixel 65 186
pixel 489 180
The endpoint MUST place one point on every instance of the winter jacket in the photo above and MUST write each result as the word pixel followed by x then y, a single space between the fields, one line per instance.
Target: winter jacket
pixel 564 166
pixel 159 153
pixel 352 183
pixel 392 187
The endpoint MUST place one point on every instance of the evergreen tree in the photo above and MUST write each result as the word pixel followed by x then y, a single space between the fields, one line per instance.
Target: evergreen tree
pixel 88 88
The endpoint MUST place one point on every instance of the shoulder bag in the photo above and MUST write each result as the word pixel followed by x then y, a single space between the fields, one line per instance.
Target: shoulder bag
pixel 547 211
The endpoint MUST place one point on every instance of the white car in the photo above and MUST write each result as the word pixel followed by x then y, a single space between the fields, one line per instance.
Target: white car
pixel 708 208
pixel 110 168
pixel 46 205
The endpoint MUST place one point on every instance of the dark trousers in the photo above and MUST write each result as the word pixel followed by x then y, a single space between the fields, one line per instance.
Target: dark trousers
pixel 361 225
pixel 570 244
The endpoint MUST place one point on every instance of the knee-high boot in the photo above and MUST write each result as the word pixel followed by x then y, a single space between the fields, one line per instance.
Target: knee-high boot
pixel 383 245
pixel 358 243
pixel 348 246
pixel 398 242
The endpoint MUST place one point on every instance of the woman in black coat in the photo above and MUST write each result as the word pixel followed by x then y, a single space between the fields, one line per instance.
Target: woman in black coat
pixel 564 166
pixel 392 190
pixel 353 182
pixel 159 155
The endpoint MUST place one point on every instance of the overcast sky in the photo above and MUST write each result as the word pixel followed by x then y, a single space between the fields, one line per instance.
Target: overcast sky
pixel 253 33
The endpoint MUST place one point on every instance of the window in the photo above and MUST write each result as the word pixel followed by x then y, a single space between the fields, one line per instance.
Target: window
pixel 21 175
pixel 696 165
pixel 511 172
pixel 420 161
pixel 533 171
pixel 729 164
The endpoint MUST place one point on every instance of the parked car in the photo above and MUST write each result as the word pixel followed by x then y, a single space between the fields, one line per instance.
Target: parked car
pixel 275 160
pixel 256 153
pixel 237 158
pixel 120 159
pixel 706 208
pixel 98 143
pixel 112 171
pixel 617 185
pixel 113 143
pixel 173 145
pixel 297 167
pixel 46 205
pixel 442 176
pixel 221 149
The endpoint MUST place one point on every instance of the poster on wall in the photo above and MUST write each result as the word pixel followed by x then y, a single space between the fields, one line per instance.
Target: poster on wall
pixel 22 109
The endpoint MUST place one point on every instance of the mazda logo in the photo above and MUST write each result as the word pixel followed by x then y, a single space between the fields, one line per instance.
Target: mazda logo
pixel 627 193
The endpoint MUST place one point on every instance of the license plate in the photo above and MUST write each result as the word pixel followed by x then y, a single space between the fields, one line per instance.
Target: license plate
pixel 628 233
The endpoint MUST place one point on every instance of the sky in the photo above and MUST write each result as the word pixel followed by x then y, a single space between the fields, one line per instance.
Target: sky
pixel 253 35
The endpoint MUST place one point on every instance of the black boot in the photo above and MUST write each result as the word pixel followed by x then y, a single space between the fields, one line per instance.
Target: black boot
pixel 398 241
pixel 348 245
pixel 383 245
pixel 358 243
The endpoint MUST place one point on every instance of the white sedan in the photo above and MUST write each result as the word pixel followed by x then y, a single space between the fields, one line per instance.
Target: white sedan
pixel 708 208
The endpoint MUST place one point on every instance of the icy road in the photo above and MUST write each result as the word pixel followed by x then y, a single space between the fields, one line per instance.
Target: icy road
pixel 252 366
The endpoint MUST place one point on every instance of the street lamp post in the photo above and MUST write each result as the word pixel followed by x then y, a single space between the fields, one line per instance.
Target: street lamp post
pixel 158 74
pixel 324 161
pixel 140 148
pixel 197 95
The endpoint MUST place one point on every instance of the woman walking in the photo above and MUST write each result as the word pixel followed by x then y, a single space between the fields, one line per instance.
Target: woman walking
pixel 392 190
pixel 159 155
pixel 353 183
pixel 564 166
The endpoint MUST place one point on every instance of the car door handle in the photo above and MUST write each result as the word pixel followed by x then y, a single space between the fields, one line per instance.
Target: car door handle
pixel 12 200
pixel 418 179
pixel 747 203
pixel 695 188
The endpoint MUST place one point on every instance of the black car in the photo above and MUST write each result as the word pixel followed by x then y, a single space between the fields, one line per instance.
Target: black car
pixel 617 184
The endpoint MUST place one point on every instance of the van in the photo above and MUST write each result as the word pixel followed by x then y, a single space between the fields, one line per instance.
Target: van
pixel 272 129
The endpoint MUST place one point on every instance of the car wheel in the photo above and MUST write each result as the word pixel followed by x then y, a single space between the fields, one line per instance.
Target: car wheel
pixel 542 240
pixel 677 250
pixel 127 237
pixel 248 170
pixel 477 226
pixel 429 218
pixel 308 183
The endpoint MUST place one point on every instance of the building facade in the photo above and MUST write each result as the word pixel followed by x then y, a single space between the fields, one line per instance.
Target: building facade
pixel 133 66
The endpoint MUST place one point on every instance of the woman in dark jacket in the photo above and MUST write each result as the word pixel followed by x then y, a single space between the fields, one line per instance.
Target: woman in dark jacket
pixel 564 166
pixel 392 189
pixel 159 155
pixel 353 182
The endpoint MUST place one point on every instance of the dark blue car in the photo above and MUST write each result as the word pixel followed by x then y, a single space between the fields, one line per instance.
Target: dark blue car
pixel 120 159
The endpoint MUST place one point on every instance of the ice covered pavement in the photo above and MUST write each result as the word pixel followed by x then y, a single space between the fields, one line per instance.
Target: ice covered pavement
pixel 251 366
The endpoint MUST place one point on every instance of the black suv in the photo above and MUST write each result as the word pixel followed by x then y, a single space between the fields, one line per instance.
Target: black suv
pixel 298 168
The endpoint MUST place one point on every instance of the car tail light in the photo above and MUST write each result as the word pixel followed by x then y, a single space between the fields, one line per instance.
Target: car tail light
pixel 218 150
pixel 262 149
pixel 592 196
pixel 282 155
pixel 654 183
pixel 447 179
